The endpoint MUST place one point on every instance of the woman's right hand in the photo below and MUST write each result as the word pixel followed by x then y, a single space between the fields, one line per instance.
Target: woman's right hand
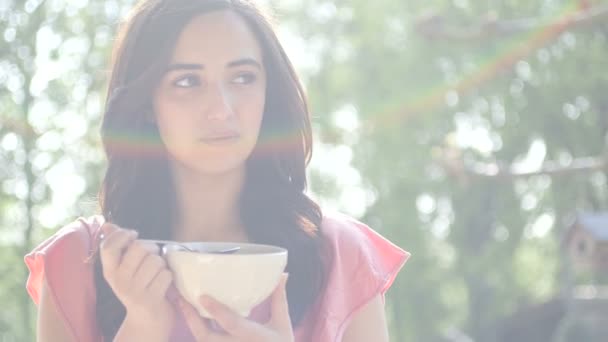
pixel 140 279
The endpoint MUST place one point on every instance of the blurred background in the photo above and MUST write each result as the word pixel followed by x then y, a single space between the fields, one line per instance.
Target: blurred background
pixel 472 133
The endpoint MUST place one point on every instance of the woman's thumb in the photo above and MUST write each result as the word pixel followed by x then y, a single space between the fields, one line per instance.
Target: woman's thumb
pixel 280 307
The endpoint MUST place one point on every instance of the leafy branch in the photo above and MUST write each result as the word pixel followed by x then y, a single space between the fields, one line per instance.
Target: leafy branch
pixel 457 168
pixel 435 26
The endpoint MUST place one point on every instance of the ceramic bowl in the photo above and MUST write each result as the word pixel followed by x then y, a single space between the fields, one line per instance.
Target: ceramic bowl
pixel 240 279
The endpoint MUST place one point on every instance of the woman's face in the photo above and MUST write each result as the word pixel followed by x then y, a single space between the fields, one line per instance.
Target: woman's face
pixel 210 102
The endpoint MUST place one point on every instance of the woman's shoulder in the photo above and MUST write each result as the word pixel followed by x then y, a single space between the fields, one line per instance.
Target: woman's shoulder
pixel 62 261
pixel 336 224
pixel 81 231
pixel 349 235
pixel 85 228
pixel 357 249
pixel 363 265
pixel 344 231
pixel 64 252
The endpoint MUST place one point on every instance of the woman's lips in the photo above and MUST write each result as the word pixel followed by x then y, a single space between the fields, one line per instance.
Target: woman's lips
pixel 221 138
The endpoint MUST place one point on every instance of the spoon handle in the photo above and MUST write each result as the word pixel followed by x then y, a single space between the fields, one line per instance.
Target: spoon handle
pixel 163 250
pixel 227 250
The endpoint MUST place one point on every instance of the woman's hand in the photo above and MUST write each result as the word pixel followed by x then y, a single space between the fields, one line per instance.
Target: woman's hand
pixel 140 279
pixel 237 328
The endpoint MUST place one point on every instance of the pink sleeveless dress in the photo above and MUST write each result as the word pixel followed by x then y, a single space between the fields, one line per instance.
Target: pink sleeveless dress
pixel 364 265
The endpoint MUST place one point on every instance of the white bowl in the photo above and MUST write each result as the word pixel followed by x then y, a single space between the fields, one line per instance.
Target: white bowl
pixel 241 280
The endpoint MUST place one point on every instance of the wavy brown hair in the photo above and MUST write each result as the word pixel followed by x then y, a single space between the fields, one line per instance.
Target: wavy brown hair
pixel 137 190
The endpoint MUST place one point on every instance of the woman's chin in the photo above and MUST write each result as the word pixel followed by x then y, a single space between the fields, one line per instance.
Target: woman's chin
pixel 217 168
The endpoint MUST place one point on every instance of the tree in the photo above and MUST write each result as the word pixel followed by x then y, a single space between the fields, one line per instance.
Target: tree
pixel 430 112
pixel 450 119
pixel 52 59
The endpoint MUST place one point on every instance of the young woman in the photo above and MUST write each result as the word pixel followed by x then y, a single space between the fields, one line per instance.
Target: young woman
pixel 207 136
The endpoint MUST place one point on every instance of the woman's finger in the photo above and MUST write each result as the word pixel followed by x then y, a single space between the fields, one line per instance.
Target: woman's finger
pixel 114 244
pixel 233 323
pixel 280 319
pixel 133 258
pixel 149 268
pixel 160 284
pixel 197 325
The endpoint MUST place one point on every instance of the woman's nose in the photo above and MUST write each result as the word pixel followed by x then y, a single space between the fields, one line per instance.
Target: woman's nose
pixel 220 104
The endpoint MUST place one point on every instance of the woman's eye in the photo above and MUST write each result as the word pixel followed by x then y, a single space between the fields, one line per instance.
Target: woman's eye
pixel 245 78
pixel 187 81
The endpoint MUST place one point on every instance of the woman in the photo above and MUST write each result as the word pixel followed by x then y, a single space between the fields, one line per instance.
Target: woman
pixel 207 136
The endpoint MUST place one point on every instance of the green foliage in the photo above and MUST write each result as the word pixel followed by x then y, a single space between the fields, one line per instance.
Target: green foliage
pixel 406 115
pixel 482 247
pixel 53 55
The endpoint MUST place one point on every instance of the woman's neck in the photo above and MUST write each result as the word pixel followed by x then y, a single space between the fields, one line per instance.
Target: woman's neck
pixel 208 206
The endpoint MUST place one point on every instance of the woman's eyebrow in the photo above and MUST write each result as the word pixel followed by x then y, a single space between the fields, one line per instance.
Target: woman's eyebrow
pixel 245 61
pixel 233 64
pixel 185 66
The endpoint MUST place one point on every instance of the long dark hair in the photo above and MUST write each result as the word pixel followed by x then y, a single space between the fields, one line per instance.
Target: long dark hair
pixel 137 190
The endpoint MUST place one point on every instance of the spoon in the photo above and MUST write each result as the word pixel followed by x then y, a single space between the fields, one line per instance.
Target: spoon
pixel 162 245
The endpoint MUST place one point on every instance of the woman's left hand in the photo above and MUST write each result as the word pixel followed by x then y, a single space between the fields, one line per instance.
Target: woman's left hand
pixel 238 328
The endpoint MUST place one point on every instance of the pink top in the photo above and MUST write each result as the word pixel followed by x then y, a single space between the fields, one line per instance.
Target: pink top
pixel 364 265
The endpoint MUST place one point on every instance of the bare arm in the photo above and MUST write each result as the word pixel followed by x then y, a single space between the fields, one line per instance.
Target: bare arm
pixel 368 324
pixel 50 326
